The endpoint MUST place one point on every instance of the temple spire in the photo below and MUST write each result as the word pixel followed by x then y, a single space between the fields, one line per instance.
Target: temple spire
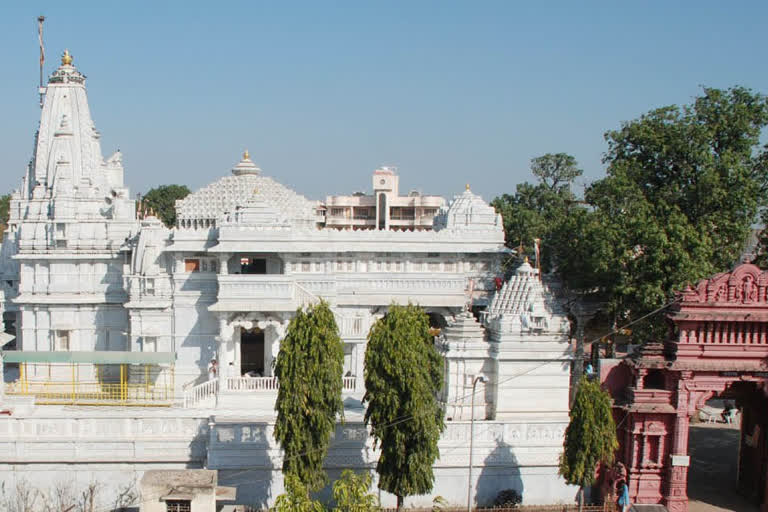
pixel 66 58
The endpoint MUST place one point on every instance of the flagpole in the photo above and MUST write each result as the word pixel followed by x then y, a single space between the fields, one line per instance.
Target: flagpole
pixel 40 20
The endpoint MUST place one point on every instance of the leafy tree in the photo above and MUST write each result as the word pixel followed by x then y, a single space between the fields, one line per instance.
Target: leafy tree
pixel 535 211
pixel 309 367
pixel 162 200
pixel 403 376
pixel 683 186
pixel 296 497
pixel 590 438
pixel 5 207
pixel 556 171
pixel 351 493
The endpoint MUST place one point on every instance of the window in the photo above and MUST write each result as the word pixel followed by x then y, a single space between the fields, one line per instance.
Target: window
pixel 149 286
pixel 191 265
pixel 62 340
pixel 654 379
pixel 337 212
pixel 305 266
pixel 178 506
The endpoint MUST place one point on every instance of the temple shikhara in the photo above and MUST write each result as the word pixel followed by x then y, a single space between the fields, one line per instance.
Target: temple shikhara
pixel 141 347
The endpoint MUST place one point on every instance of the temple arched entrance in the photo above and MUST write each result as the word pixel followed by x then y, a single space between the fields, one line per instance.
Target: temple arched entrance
pixel 718 348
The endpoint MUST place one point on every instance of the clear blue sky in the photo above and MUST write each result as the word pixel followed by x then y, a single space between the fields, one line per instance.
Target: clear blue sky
pixel 322 93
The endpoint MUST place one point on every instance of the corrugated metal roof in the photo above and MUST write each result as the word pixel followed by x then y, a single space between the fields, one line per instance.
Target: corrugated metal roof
pixel 96 357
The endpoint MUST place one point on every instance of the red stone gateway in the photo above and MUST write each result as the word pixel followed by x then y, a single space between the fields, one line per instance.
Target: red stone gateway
pixel 718 346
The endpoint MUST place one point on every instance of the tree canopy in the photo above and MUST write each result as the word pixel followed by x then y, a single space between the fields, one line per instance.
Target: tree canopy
pixel 5 210
pixel 352 493
pixel 296 497
pixel 309 367
pixel 591 435
pixel 683 185
pixel 163 199
pixel 535 211
pixel 556 171
pixel 403 376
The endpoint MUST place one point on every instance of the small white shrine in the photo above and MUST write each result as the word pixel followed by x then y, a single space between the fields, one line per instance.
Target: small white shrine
pixel 180 326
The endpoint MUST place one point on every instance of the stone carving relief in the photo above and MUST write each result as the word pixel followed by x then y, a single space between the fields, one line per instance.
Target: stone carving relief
pixel 746 284
pixel 250 321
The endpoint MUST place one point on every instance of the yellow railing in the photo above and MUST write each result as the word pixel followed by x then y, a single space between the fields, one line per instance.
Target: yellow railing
pixel 77 392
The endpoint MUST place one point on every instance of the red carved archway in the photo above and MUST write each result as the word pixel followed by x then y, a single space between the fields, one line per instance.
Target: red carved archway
pixel 720 340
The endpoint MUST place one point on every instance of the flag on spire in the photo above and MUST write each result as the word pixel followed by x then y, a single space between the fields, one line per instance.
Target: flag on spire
pixel 40 21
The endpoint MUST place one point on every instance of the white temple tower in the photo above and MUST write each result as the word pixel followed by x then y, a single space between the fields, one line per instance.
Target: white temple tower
pixel 68 225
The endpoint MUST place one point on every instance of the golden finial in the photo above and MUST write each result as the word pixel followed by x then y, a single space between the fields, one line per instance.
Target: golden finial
pixel 246 155
pixel 525 260
pixel 66 58
pixel 467 186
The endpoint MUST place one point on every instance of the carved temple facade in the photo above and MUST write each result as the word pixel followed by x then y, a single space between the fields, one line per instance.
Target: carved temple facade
pixel 87 273
pixel 718 347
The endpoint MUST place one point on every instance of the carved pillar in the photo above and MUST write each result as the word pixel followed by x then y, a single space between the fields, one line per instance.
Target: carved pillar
pixel 223 264
pixel 272 343
pixel 226 348
pixel 675 496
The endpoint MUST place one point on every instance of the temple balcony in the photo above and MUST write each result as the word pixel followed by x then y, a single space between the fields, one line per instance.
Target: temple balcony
pixel 278 292
pixel 427 290
pixel 260 292
pixel 660 400
pixel 236 391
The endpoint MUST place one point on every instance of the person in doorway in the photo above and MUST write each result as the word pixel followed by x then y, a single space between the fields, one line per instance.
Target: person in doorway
pixel 213 369
pixel 729 412
pixel 623 502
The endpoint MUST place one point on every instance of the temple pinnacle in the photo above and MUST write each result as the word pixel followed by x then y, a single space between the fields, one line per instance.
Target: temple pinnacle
pixel 66 58
pixel 246 155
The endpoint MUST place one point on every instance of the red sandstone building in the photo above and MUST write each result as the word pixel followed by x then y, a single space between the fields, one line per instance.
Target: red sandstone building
pixel 718 347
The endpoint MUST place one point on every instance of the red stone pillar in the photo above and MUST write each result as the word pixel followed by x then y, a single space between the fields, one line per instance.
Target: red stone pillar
pixel 675 494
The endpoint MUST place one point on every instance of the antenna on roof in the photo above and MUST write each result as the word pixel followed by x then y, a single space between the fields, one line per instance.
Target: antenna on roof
pixel 41 90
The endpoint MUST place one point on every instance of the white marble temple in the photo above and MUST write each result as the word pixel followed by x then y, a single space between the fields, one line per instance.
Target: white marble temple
pixel 82 268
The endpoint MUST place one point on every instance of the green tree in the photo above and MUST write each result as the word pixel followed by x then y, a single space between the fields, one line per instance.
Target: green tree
pixel 556 171
pixel 683 186
pixel 5 210
pixel 352 493
pixel 296 497
pixel 590 438
pixel 309 368
pixel 403 376
pixel 535 211
pixel 162 200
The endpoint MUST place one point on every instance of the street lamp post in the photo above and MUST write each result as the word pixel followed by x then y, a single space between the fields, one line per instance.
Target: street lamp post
pixel 483 379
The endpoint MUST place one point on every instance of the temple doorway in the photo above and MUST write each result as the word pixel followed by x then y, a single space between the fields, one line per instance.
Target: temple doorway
pixel 725 473
pixel 252 352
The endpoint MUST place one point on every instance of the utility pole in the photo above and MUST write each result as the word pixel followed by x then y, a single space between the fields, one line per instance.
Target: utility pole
pixel 41 89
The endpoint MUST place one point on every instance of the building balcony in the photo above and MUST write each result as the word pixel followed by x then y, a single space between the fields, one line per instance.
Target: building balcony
pixel 426 290
pixel 268 292
pixel 237 388
pixel 257 292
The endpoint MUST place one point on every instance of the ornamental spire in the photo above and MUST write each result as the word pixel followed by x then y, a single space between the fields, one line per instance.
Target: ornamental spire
pixel 245 166
pixel 66 58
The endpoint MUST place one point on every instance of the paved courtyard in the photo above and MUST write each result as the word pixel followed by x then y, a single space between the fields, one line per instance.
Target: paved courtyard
pixel 712 477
